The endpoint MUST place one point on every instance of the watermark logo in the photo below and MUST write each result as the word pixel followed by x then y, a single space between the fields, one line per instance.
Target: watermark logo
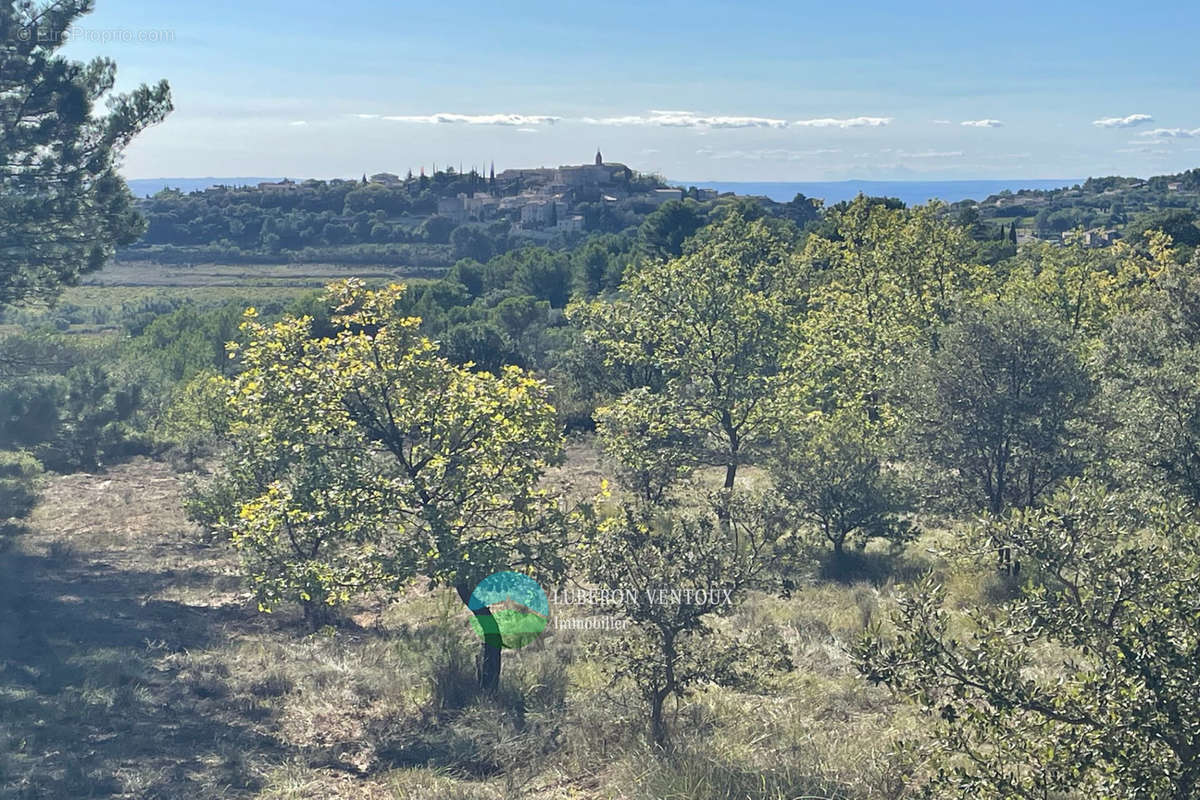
pixel 518 605
pixel 78 33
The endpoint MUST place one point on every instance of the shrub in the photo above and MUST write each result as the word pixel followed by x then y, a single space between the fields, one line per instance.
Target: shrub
pixel 19 476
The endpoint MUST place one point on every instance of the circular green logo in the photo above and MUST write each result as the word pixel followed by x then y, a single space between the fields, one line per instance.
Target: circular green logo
pixel 519 608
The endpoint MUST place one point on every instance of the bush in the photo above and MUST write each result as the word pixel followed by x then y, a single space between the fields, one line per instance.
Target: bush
pixel 19 477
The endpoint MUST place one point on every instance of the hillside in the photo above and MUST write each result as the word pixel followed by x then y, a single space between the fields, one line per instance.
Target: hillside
pixel 1114 205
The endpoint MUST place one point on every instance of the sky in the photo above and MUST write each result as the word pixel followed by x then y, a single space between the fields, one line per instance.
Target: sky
pixel 756 90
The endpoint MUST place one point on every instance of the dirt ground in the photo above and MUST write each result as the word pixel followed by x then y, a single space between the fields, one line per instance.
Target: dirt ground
pixel 135 664
pixel 100 594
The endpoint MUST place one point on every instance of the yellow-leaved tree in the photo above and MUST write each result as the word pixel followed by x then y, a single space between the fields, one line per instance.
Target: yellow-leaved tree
pixel 366 459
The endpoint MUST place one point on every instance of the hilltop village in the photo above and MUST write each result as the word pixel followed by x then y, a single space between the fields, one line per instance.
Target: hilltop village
pixel 537 202
pixel 423 221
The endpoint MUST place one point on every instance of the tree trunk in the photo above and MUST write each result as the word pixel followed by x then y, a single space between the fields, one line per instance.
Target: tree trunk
pixel 658 726
pixel 488 669
pixel 317 613
pixel 1186 787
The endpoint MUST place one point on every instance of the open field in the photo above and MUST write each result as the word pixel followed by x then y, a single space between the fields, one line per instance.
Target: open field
pixel 242 276
pixel 135 665
pixel 106 298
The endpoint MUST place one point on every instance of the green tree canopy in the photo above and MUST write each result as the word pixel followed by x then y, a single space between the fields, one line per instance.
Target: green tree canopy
pixel 1086 685
pixel 713 324
pixel 663 233
pixel 993 410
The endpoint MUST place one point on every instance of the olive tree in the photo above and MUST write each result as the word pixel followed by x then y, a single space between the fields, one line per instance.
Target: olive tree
pixel 884 281
pixel 1149 365
pixel 832 474
pixel 679 572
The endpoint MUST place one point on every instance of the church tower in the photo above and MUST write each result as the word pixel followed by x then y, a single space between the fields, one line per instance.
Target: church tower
pixel 599 158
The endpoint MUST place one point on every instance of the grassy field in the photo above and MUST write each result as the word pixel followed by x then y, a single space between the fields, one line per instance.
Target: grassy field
pixel 239 276
pixel 135 665
pixel 108 297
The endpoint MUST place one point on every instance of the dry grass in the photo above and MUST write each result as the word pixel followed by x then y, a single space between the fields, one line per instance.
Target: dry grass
pixel 239 276
pixel 133 664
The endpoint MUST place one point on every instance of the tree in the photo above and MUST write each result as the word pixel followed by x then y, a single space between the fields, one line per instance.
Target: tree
pixel 674 574
pixel 63 207
pixel 664 231
pixel 1086 685
pixel 1180 224
pixel 367 459
pixel 802 210
pixel 599 264
pixel 831 474
pixel 1082 287
pixel 544 274
pixel 480 344
pixel 994 410
pixel 436 229
pixel 711 327
pixel 1149 364
pixel 969 219
pixel 20 474
pixel 885 281
pixel 649 443
pixel 471 242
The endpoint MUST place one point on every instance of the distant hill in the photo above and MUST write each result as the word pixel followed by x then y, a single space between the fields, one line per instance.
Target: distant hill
pixel 1116 205
pixel 911 192
pixel 144 187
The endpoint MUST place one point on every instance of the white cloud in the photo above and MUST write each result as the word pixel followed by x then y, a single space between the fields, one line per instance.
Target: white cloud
pixel 1123 122
pixel 766 154
pixel 298 123
pixel 942 122
pixel 1171 133
pixel 688 119
pixel 655 117
pixel 508 120
pixel 932 154
pixel 852 122
pixel 982 123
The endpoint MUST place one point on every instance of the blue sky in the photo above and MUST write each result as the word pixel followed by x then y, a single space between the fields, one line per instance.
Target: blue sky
pixel 756 90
